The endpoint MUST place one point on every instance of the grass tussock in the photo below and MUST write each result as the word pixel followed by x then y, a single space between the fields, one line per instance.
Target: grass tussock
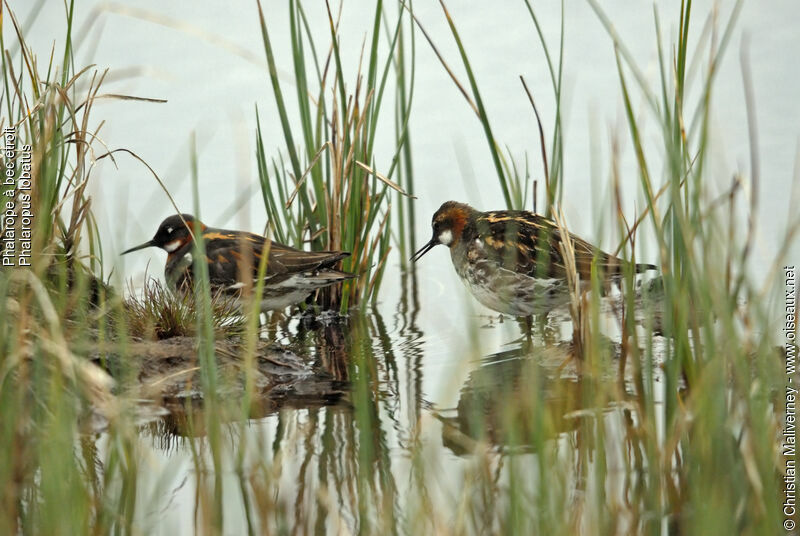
pixel 156 312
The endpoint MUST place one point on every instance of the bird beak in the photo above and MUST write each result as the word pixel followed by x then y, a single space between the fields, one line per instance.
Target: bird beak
pixel 140 246
pixel 424 249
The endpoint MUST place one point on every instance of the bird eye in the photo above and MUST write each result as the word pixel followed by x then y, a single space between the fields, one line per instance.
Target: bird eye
pixel 169 230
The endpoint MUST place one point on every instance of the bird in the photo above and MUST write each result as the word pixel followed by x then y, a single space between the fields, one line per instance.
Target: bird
pixel 233 258
pixel 511 260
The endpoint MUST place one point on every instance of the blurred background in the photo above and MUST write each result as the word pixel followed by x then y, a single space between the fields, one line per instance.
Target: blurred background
pixel 208 64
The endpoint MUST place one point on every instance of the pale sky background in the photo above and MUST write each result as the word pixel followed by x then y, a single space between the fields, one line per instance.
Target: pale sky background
pixel 164 50
pixel 167 50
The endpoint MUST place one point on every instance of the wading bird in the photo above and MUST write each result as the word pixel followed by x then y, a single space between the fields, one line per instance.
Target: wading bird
pixel 511 260
pixel 233 259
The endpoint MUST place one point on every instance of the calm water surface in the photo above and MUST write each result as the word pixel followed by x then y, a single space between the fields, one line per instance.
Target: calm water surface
pixel 436 374
pixel 398 418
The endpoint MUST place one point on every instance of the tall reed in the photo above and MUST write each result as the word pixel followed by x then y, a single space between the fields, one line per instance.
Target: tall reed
pixel 52 307
pixel 702 432
pixel 672 426
pixel 333 196
pixel 513 178
pixel 715 424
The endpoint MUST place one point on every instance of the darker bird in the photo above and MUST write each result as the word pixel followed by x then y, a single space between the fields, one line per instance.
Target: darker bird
pixel 233 259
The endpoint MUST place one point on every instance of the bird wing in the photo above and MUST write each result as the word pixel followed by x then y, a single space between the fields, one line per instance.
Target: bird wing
pixel 531 244
pixel 230 250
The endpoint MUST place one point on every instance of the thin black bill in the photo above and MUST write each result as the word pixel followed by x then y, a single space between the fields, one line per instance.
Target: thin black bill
pixel 147 244
pixel 424 249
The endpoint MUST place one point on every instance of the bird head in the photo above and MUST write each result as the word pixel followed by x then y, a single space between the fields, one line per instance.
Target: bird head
pixel 448 225
pixel 172 234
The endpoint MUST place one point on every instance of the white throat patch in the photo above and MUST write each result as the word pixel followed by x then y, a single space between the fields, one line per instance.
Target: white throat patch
pixel 446 237
pixel 172 246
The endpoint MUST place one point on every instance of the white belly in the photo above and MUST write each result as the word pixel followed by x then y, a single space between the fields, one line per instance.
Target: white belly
pixel 278 303
pixel 528 297
pixel 511 293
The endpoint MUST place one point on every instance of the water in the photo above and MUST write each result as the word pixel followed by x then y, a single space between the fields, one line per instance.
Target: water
pixel 429 373
pixel 373 419
pixel 434 422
